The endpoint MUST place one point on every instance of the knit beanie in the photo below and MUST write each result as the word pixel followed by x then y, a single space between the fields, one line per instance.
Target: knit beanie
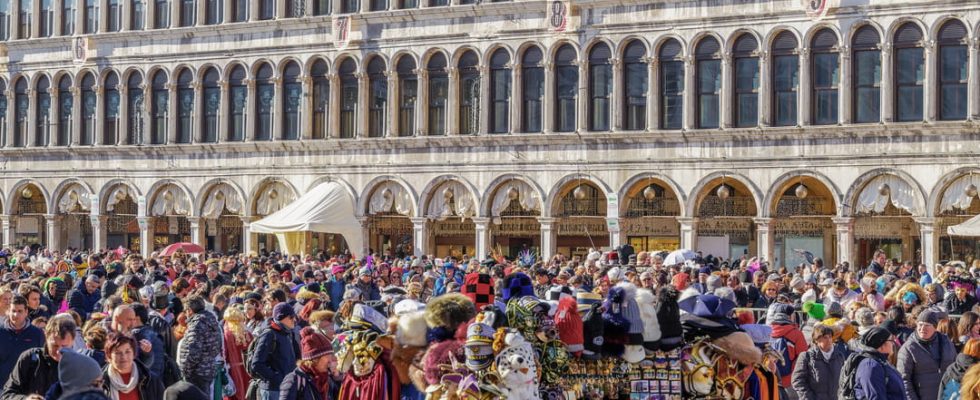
pixel 669 317
pixel 593 331
pixel 651 325
pixel 569 324
pixel 631 311
pixel 184 390
pixel 314 344
pixel 77 371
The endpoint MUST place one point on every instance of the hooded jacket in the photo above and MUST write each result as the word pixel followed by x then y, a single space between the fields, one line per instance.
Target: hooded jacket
pixel 199 347
pixel 82 301
pixel 950 384
pixel 272 361
pixel 876 379
pixel 797 345
pixel 817 378
pixel 920 371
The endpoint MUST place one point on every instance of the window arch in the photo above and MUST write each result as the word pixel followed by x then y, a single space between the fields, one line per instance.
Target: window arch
pixel 237 106
pixel 42 118
pixel 159 108
pixel 321 99
pixel 500 91
pixel 348 98
pixel 745 57
pixel 708 57
pixel 566 88
pixel 408 95
pixel 909 72
pixel 110 107
pixel 292 91
pixel 671 85
pixel 953 67
pixel 532 90
pixel 600 87
pixel 21 105
pixel 785 79
pixel 378 97
pixel 265 92
pixel 66 100
pixel 135 108
pixel 825 81
pixel 867 75
pixel 212 106
pixel 438 93
pixel 635 86
pixel 185 106
pixel 89 107
pixel 469 93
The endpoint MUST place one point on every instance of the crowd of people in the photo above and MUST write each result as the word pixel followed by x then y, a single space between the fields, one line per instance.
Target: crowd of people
pixel 612 324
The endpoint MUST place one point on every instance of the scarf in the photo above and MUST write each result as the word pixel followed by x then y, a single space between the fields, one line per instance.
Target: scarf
pixel 116 384
pixel 320 380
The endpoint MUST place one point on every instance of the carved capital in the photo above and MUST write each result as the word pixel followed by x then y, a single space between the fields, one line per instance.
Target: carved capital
pixel 615 62
pixel 224 84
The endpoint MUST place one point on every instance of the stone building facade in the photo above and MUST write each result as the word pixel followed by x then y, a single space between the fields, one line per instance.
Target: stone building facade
pixel 735 127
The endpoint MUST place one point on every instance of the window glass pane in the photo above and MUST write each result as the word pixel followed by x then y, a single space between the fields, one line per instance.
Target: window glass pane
pixel 746 91
pixel 185 109
pixel 825 71
pixel 909 76
pixel 377 106
pixel 566 91
pixel 64 117
pixel 601 89
pixel 25 19
pixel 953 74
pixel 115 16
pixel 265 93
pixel 636 96
pixel 212 105
pixel 91 16
pixel 469 104
pixel 438 94
pixel 406 113
pixel 672 94
pixel 139 15
pixel 500 97
pixel 825 90
pixel 709 93
pixel 533 93
pixel 46 19
pixel 785 84
pixel 42 121
pixel 161 14
pixel 67 18
pixel 239 95
pixel 348 107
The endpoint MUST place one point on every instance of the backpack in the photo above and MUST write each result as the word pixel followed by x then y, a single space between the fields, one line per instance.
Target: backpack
pixel 846 384
pixel 785 348
pixel 171 371
pixel 250 352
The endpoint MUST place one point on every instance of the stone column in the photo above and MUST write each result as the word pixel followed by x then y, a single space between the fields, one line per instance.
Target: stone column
pixel 249 109
pixel 363 114
pixel 930 242
pixel 615 239
pixel 548 238
pixel 15 32
pixel 550 98
pixel 196 133
pixel 973 85
pixel 226 16
pixel 690 94
pixel 845 238
pixel 485 100
pixel 197 230
pixel 764 240
pixel 306 109
pixel 200 17
pixel 653 95
pixel 247 235
pixel 122 137
pixel 845 92
pixel 616 105
pixel 53 231
pixel 421 233
pixel 452 103
pixel 689 235
pixel 253 10
pixel 172 111
pixel 103 14
pixel 516 99
pixel 11 117
pixel 99 231
pixel 54 116
pixel 58 17
pixel 886 84
pixel 8 231
pixel 277 132
pixel 581 98
pixel 334 105
pixel 175 14
pixel 727 91
pixel 36 16
pixel 365 237
pixel 803 93
pixel 764 83
pixel 281 9
pixel 144 132
pixel 394 99
pixel 223 105
pixel 125 16
pixel 931 81
pixel 31 133
pixel 146 235
pixel 99 138
pixel 79 18
pixel 422 102
pixel 482 237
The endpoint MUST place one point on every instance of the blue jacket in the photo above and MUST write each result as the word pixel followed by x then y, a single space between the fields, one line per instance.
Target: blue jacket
pixel 275 356
pixel 876 380
pixel 335 289
pixel 81 301
pixel 14 342
pixel 158 350
pixel 442 282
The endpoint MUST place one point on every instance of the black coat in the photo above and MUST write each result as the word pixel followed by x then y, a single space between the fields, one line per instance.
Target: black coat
pixel 275 355
pixel 816 378
pixel 34 373
pixel 298 385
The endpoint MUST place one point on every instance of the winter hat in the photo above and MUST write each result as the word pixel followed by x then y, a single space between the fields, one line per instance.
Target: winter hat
pixel 77 371
pixel 314 344
pixel 364 317
pixel 517 285
pixel 648 313
pixel 726 293
pixel 614 274
pixel 479 288
pixel 586 300
pixel 407 306
pixel 714 282
pixel 865 318
pixel 283 311
pixel 835 310
pixel 815 310
pixel 631 311
pixel 449 311
pixel 569 324
pixel 929 316
pixel 184 390
pixel 593 332
pixel 875 337
pixel 796 283
pixel 679 281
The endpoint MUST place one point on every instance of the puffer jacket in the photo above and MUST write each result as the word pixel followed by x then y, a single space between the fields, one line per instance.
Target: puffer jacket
pixel 82 301
pixel 875 379
pixel 815 377
pixel 950 384
pixel 199 347
pixel 275 355
pixel 920 371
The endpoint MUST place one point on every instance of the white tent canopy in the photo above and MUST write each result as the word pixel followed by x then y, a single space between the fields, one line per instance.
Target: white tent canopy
pixel 970 227
pixel 327 208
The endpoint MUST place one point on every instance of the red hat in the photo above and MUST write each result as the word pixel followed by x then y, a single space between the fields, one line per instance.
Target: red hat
pixel 569 324
pixel 680 281
pixel 479 288
pixel 314 344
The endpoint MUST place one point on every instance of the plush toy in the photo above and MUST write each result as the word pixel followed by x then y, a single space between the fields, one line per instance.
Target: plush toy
pixel 517 367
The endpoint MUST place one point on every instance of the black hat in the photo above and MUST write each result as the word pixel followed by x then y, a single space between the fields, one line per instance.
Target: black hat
pixel 876 337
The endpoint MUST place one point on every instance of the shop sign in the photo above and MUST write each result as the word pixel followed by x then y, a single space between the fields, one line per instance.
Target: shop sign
pixel 391 226
pixel 453 228
pixel 650 226
pixel 517 227
pixel 872 228
pixel 582 227
pixel 802 226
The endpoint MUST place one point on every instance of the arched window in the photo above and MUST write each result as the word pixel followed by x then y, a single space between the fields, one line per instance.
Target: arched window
pixel 91 16
pixel 292 91
pixel 158 130
pixel 826 77
pixel 25 19
pixel 46 19
pixel 135 109
pixel 909 72
pixel 499 92
pixel 867 75
pixel 469 94
pixel 213 12
pixel 21 104
pixel 671 85
pixel 438 94
pixel 185 106
pixel 161 14
pixel 137 15
pixel 3 114
pixel 600 87
pixel 321 99
pixel 408 95
pixel 708 57
pixel 89 107
pixel 348 98
pixel 212 107
pixel 188 12
pixel 566 88
pixel 785 79
pixel 953 70
pixel 746 93
pixel 67 100
pixel 237 106
pixel 4 20
pixel 265 93
pixel 378 97
pixel 267 9
pixel 42 119
pixel 110 99
pixel 635 85
pixel 239 10
pixel 67 18
pixel 532 90
pixel 114 24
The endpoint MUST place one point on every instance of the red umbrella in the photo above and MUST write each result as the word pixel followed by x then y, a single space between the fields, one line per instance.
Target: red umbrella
pixel 183 246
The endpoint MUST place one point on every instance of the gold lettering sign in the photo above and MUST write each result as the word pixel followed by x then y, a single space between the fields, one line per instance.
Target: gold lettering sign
pixel 517 227
pixel 651 226
pixel 801 226
pixel 895 228
pixel 454 228
pixel 392 226
pixel 739 230
pixel 582 227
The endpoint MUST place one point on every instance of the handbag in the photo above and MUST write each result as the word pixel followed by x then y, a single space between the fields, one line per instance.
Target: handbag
pixel 228 388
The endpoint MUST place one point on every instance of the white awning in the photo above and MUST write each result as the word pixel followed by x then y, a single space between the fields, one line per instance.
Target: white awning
pixel 970 227
pixel 327 208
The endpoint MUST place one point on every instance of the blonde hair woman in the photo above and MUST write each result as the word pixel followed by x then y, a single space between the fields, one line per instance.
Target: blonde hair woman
pixel 237 338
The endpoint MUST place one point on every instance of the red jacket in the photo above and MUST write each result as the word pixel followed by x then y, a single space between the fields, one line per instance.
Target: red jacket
pixel 799 346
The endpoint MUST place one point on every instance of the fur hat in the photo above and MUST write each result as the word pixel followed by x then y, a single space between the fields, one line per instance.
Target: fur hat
pixel 648 313
pixel 411 329
pixel 449 311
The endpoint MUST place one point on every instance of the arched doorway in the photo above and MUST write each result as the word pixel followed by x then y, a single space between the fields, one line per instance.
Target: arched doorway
pixel 514 210
pixel 28 206
pixel 389 225
pixel 958 203
pixel 74 212
pixel 271 197
pixel 802 226
pixel 122 228
pixel 222 214
pixel 725 229
pixel 169 208
pixel 649 217
pixel 451 207
pixel 883 219
pixel 580 219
